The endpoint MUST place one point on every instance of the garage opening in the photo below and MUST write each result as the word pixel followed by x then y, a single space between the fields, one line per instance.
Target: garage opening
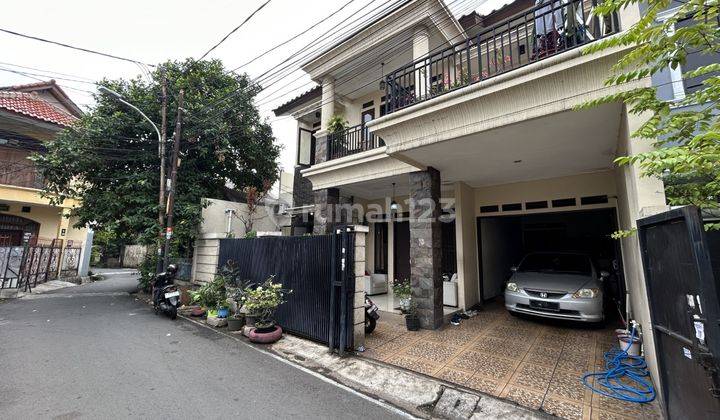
pixel 504 240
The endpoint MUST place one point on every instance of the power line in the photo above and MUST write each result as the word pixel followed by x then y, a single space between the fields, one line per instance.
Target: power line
pixel 294 36
pixel 234 30
pixel 46 71
pixel 370 59
pixel 48 41
pixel 236 91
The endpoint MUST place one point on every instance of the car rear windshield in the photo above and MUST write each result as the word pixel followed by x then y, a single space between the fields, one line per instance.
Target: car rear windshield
pixel 556 263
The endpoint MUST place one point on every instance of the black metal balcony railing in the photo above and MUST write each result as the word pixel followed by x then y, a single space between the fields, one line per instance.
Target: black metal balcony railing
pixel 536 34
pixel 350 141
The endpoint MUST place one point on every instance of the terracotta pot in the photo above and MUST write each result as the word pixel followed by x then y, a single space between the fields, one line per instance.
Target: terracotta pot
pixel 265 337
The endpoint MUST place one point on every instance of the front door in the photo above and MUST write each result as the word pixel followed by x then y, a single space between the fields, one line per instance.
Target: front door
pixel 684 311
pixel 367 116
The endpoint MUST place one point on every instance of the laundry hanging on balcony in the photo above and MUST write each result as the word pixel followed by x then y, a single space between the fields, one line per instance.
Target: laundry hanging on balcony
pixel 558 25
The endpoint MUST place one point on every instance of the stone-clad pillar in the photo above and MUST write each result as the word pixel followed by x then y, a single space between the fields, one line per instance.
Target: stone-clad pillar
pixel 359 296
pixel 326 202
pixel 426 247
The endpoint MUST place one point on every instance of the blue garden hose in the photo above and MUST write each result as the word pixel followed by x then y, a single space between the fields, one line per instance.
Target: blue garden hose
pixel 619 364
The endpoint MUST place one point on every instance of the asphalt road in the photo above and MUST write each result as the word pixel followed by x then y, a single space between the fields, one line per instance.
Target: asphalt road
pixel 91 352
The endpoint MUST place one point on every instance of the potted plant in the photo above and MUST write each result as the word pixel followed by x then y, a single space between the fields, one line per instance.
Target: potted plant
pixel 403 291
pixel 337 127
pixel 262 302
pixel 237 321
pixel 212 296
pixel 412 322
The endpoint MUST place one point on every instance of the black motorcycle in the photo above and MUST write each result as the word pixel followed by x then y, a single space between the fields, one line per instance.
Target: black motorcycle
pixel 166 296
pixel 371 315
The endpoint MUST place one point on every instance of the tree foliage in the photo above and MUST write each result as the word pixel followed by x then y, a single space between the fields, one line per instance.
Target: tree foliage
pixel 686 131
pixel 109 158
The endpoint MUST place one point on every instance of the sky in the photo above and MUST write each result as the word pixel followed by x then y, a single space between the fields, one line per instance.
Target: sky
pixel 153 31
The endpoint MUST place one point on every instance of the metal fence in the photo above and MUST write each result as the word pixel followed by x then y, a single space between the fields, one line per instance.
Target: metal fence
pixel 24 267
pixel 350 141
pixel 536 34
pixel 316 268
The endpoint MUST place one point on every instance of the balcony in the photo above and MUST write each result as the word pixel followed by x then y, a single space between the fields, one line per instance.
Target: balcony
pixel 351 141
pixel 531 36
pixel 20 174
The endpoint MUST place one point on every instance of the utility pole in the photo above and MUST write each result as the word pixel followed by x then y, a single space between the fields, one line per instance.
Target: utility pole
pixel 173 178
pixel 163 182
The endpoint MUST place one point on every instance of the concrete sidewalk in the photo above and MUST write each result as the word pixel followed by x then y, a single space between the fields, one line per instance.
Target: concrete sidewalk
pixel 41 288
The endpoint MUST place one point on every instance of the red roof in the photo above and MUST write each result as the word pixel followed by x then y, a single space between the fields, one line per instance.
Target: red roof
pixel 33 106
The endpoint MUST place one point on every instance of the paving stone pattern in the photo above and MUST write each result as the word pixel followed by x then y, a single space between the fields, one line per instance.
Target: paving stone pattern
pixel 533 363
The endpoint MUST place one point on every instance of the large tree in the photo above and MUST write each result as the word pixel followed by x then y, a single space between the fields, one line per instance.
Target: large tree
pixel 109 158
pixel 686 131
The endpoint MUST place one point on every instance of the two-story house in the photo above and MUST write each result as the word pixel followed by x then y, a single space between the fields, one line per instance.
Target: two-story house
pixel 30 116
pixel 464 151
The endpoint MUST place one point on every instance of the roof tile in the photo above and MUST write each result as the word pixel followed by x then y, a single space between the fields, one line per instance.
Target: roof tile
pixel 35 107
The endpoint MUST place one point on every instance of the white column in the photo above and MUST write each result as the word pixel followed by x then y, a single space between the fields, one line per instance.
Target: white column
pixel 466 245
pixel 421 48
pixel 328 102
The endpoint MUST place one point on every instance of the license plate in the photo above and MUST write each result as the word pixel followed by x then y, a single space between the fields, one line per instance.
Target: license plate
pixel 540 304
pixel 171 294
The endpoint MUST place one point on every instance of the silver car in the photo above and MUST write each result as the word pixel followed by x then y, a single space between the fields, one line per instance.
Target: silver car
pixel 556 285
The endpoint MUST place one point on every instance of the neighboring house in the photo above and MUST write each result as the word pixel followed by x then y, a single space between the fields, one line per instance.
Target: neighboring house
pixel 473 118
pixel 30 116
pixel 670 84
pixel 227 219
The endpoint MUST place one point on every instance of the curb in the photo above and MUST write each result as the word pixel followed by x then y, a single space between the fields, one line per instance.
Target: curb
pixel 409 393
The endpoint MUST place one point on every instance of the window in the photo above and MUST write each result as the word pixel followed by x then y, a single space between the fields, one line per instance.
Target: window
pixel 368 104
pixel 512 207
pixel 381 248
pixel 695 59
pixel 564 202
pixel 594 199
pixel 306 147
pixel 535 205
pixel 556 263
pixel 489 209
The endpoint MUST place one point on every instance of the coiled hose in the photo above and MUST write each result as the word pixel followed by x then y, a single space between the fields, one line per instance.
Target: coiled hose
pixel 619 364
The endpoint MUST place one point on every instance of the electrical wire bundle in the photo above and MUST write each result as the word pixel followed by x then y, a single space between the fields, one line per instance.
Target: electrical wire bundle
pixel 620 365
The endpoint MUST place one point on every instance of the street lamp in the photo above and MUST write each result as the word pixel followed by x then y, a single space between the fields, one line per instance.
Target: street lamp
pixel 120 99
pixel 161 154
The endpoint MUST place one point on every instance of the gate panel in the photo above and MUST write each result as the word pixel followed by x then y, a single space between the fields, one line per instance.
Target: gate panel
pixel 301 263
pixel 684 311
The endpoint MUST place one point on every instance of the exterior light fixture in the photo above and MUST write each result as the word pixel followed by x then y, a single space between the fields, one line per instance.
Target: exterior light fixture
pixel 393 203
pixel 382 77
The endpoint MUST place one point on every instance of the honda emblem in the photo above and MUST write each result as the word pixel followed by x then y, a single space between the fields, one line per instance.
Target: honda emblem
pixel 543 295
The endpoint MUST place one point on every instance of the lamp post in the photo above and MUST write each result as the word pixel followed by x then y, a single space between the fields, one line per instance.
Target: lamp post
pixel 161 154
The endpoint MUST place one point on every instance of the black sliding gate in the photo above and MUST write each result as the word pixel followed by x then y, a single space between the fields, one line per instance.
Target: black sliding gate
pixel 318 269
pixel 683 298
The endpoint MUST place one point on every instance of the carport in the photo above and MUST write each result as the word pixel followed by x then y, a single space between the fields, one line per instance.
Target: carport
pixel 503 240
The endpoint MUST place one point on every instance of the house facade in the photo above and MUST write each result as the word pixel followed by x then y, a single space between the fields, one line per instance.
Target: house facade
pixel 463 150
pixel 30 116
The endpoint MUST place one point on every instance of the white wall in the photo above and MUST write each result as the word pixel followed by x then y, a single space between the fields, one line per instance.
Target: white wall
pixel 638 196
pixel 466 246
pixel 215 219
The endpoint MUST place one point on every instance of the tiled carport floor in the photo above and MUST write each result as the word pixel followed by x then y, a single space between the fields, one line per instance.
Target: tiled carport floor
pixel 534 363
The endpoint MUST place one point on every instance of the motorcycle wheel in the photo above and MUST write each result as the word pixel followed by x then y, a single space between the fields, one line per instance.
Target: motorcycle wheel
pixel 173 312
pixel 369 324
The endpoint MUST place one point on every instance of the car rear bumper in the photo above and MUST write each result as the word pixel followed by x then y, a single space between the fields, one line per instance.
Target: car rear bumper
pixel 584 310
